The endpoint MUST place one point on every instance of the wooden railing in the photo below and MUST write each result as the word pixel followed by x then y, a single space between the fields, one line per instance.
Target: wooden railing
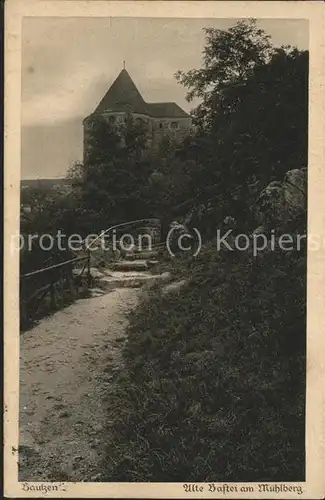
pixel 45 290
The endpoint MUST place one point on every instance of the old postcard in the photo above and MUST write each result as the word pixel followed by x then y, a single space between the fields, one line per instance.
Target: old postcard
pixel 164 249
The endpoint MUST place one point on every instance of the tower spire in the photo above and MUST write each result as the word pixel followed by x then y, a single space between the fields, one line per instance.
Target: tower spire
pixel 123 64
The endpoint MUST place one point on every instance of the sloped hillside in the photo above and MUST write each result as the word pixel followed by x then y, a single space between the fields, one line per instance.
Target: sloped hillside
pixel 214 383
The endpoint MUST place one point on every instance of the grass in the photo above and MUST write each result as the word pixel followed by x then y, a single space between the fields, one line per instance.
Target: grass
pixel 214 380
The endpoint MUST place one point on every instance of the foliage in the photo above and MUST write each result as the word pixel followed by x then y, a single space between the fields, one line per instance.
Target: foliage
pixel 253 119
pixel 229 57
pixel 250 128
pixel 44 213
pixel 115 173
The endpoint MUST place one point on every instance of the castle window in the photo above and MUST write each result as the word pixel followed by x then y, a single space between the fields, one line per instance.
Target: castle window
pixel 161 125
pixel 112 119
pixel 175 125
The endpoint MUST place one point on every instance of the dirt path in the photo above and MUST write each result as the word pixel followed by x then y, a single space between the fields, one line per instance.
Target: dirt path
pixel 65 363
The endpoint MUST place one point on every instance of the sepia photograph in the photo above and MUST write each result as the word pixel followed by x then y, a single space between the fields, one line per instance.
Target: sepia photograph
pixel 162 254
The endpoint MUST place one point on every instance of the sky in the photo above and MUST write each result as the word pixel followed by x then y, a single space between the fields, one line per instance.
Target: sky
pixel 68 64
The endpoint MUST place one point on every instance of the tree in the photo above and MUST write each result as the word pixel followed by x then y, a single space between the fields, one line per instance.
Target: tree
pixel 115 172
pixel 253 119
pixel 229 57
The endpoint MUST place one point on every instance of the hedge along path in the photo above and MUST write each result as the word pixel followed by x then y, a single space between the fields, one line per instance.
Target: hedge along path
pixel 66 362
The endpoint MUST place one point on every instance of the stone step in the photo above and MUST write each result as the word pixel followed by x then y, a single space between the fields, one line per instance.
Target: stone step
pixel 127 274
pixel 111 282
pixel 94 272
pixel 96 292
pixel 130 265
pixel 143 255
pixel 152 263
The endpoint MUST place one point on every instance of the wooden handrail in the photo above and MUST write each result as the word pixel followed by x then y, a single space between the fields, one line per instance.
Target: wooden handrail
pixel 123 224
pixel 61 264
pixel 88 248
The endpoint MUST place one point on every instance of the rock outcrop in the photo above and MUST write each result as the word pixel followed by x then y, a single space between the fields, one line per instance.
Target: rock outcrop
pixel 283 205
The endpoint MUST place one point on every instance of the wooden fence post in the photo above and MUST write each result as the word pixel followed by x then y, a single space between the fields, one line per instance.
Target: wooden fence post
pixel 52 294
pixel 70 281
pixel 23 304
pixel 88 268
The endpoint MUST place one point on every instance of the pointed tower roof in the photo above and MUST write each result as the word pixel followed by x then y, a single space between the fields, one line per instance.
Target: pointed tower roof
pixel 122 96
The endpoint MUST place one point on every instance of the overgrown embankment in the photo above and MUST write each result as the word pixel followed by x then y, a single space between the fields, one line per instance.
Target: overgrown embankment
pixel 214 383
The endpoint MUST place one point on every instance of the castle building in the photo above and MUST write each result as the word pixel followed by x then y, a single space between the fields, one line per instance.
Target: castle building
pixel 122 98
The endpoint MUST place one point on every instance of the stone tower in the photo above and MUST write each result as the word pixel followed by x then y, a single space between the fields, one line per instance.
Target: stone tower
pixel 123 97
